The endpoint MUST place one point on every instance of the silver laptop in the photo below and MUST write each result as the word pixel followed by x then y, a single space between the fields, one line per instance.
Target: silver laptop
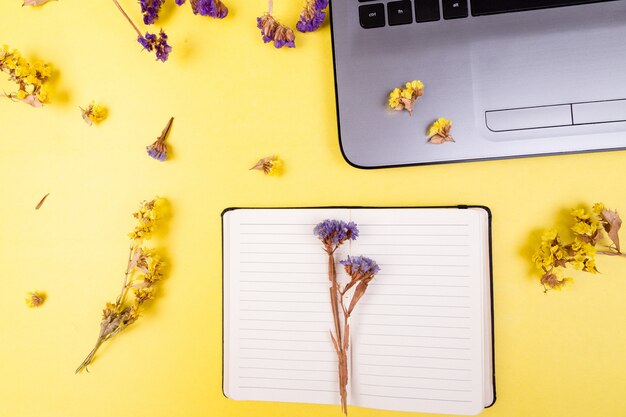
pixel 515 77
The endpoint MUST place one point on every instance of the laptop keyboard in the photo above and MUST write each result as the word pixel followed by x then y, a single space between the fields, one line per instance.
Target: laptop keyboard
pixel 403 12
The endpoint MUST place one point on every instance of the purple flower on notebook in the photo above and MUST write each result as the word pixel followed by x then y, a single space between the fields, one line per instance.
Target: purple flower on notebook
pixel 361 270
pixel 334 232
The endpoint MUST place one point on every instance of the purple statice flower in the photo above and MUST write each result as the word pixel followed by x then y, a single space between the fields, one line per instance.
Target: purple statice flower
pixel 360 266
pixel 272 30
pixel 180 2
pixel 152 42
pixel 334 232
pixel 150 10
pixel 158 150
pixel 312 16
pixel 213 8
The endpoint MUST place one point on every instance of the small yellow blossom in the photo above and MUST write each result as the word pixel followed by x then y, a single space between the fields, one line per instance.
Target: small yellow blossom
pixel 439 131
pixel 35 298
pixel 94 113
pixel 404 99
pixel 270 165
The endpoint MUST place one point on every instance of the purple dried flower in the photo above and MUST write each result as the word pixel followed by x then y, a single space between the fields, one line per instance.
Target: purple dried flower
pixel 180 2
pixel 158 150
pixel 152 42
pixel 150 10
pixel 272 30
pixel 213 8
pixel 334 232
pixel 312 16
pixel 360 266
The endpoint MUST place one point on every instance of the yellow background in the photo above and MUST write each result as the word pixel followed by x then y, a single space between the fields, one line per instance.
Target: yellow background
pixel 236 100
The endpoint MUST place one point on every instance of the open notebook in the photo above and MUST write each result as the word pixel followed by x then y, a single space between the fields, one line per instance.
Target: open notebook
pixel 421 336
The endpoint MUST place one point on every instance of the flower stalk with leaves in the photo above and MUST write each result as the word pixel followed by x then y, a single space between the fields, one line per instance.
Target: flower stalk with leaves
pixel 143 271
pixel 361 271
pixel 590 230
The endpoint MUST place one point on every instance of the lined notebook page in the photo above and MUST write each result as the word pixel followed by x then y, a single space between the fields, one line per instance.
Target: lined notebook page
pixel 418 332
pixel 276 308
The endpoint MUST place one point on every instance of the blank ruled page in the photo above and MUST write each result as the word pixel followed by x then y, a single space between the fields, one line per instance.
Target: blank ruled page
pixel 418 332
pixel 276 307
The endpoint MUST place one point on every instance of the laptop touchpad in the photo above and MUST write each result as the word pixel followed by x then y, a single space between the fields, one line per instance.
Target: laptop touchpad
pixel 551 82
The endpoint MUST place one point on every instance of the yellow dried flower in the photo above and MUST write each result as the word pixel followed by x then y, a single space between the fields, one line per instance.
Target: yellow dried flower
pixel 146 216
pixel 589 229
pixel 270 165
pixel 94 113
pixel 30 77
pixel 35 299
pixel 404 99
pixel 143 270
pixel 439 132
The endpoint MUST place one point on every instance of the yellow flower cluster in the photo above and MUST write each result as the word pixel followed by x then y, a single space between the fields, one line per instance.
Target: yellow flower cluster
pixel 551 252
pixel 439 131
pixel 553 256
pixel 30 78
pixel 94 113
pixel 405 98
pixel 146 216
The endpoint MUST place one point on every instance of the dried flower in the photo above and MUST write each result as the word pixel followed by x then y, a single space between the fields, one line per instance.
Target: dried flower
pixel 144 270
pixel 147 217
pixel 150 10
pixel 332 234
pixel 439 132
pixel 35 299
pixel 405 98
pixel 180 2
pixel 312 16
pixel 553 256
pixel 31 78
pixel 150 42
pixel 270 165
pixel 158 150
pixel 213 8
pixel 157 43
pixel 94 113
pixel 273 31
pixel 34 3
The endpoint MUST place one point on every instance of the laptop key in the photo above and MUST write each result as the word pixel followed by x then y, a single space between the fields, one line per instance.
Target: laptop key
pixel 454 9
pixel 372 15
pixel 427 10
pixel 400 12
pixel 484 7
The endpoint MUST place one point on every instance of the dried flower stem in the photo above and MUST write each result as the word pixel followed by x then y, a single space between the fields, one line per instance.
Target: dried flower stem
pixel 166 130
pixel 143 270
pixel 340 343
pixel 128 18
